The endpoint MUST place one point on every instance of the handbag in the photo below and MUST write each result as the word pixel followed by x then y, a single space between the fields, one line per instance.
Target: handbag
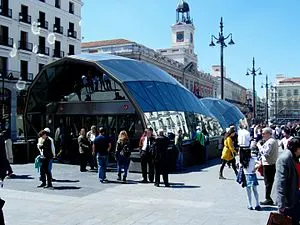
pixel 260 169
pixel 279 219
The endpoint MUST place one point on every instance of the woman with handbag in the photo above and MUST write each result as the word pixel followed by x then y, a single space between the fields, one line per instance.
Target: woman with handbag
pixel 228 153
pixel 123 152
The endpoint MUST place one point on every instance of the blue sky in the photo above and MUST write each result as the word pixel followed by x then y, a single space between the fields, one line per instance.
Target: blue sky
pixel 267 30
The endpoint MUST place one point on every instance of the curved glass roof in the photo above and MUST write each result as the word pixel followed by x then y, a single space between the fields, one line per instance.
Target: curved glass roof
pixel 225 112
pixel 151 88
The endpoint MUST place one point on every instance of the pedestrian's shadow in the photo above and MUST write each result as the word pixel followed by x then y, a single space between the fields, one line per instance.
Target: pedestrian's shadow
pixel 21 177
pixel 121 182
pixel 66 188
pixel 66 181
pixel 269 208
pixel 182 185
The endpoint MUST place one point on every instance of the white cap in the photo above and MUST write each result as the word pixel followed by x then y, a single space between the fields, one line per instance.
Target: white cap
pixel 47 130
pixel 198 128
pixel 227 129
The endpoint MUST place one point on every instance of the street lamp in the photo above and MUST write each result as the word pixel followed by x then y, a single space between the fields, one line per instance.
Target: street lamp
pixel 266 85
pixel 274 89
pixel 221 41
pixel 253 72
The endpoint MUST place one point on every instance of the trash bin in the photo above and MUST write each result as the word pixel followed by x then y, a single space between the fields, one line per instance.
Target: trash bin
pixel 172 157
pixel 20 152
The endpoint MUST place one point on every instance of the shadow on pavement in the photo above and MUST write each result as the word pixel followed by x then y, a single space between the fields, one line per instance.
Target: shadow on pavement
pixel 22 177
pixel 65 181
pixel 181 185
pixel 66 188
pixel 121 182
pixel 269 208
pixel 201 167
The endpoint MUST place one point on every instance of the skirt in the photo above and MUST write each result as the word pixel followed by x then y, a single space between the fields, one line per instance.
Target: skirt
pixel 251 180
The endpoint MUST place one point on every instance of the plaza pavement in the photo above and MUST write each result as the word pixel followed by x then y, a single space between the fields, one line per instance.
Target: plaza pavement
pixel 196 196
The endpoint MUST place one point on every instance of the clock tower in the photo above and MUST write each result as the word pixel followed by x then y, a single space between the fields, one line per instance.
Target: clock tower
pixel 182 36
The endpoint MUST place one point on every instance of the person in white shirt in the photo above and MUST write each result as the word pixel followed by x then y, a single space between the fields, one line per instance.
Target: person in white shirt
pixel 286 138
pixel 244 137
pixel 269 153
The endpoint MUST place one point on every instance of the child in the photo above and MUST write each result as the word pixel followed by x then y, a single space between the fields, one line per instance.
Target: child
pixel 249 164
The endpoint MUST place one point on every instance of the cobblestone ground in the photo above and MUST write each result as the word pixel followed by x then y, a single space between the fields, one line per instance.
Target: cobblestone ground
pixel 196 196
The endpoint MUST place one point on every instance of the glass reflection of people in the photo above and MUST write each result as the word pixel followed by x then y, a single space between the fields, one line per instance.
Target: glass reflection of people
pixel 102 84
pixel 77 89
pixel 96 82
pixel 107 82
pixel 118 96
pixel 90 80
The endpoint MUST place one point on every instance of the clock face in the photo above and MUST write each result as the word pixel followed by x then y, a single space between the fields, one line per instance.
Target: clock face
pixel 180 36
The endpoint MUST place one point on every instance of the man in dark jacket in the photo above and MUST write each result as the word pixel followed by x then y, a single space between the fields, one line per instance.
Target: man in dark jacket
pixel 46 156
pixel 160 158
pixel 287 181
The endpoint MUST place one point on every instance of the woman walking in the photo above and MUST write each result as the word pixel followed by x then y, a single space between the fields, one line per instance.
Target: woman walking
pixel 123 152
pixel 228 153
pixel 248 162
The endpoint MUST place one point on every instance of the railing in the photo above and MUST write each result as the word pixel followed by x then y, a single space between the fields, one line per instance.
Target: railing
pixel 25 45
pixel 44 50
pixel 7 41
pixel 72 33
pixel 58 54
pixel 43 24
pixel 16 75
pixel 58 29
pixel 24 18
pixel 5 12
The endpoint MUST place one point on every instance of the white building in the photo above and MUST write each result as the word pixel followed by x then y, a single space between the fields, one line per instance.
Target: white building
pixel 285 99
pixel 34 33
pixel 182 49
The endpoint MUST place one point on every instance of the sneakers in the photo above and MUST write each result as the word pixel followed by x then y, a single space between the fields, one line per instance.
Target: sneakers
pixel 124 179
pixel 119 177
pixel 156 185
pixel 221 177
pixel 267 202
pixel 250 208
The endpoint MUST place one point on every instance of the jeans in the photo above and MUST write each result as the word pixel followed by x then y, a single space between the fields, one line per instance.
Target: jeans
pixel 50 166
pixel 269 174
pixel 102 164
pixel 180 161
pixel 122 162
pixel 45 172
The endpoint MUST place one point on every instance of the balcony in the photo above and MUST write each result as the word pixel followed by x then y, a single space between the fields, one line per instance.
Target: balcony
pixel 27 46
pixel 7 41
pixel 58 29
pixel 43 24
pixel 24 18
pixel 15 75
pixel 72 33
pixel 5 12
pixel 44 50
pixel 58 54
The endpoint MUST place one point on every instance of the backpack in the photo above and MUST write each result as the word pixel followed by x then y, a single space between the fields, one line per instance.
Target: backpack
pixel 126 152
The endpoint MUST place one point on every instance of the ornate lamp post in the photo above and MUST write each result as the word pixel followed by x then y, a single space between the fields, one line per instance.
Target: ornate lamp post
pixel 253 72
pixel 266 85
pixel 221 41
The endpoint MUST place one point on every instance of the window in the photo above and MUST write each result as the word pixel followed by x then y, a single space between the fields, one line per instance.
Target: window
pixel 3 65
pixel 180 36
pixel 71 7
pixel 280 94
pixel 57 4
pixel 288 93
pixel 296 92
pixel 41 66
pixel 71 49
pixel 24 69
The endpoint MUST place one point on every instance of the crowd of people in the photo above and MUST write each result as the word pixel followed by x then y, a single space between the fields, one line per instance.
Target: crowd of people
pixel 95 147
pixel 258 150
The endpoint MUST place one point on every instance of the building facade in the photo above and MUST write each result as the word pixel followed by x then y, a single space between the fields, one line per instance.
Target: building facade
pixel 33 34
pixel 285 99
pixel 233 92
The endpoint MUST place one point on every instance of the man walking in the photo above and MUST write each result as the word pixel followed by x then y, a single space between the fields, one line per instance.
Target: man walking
pixel 269 152
pixel 160 158
pixel 101 147
pixel 146 157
